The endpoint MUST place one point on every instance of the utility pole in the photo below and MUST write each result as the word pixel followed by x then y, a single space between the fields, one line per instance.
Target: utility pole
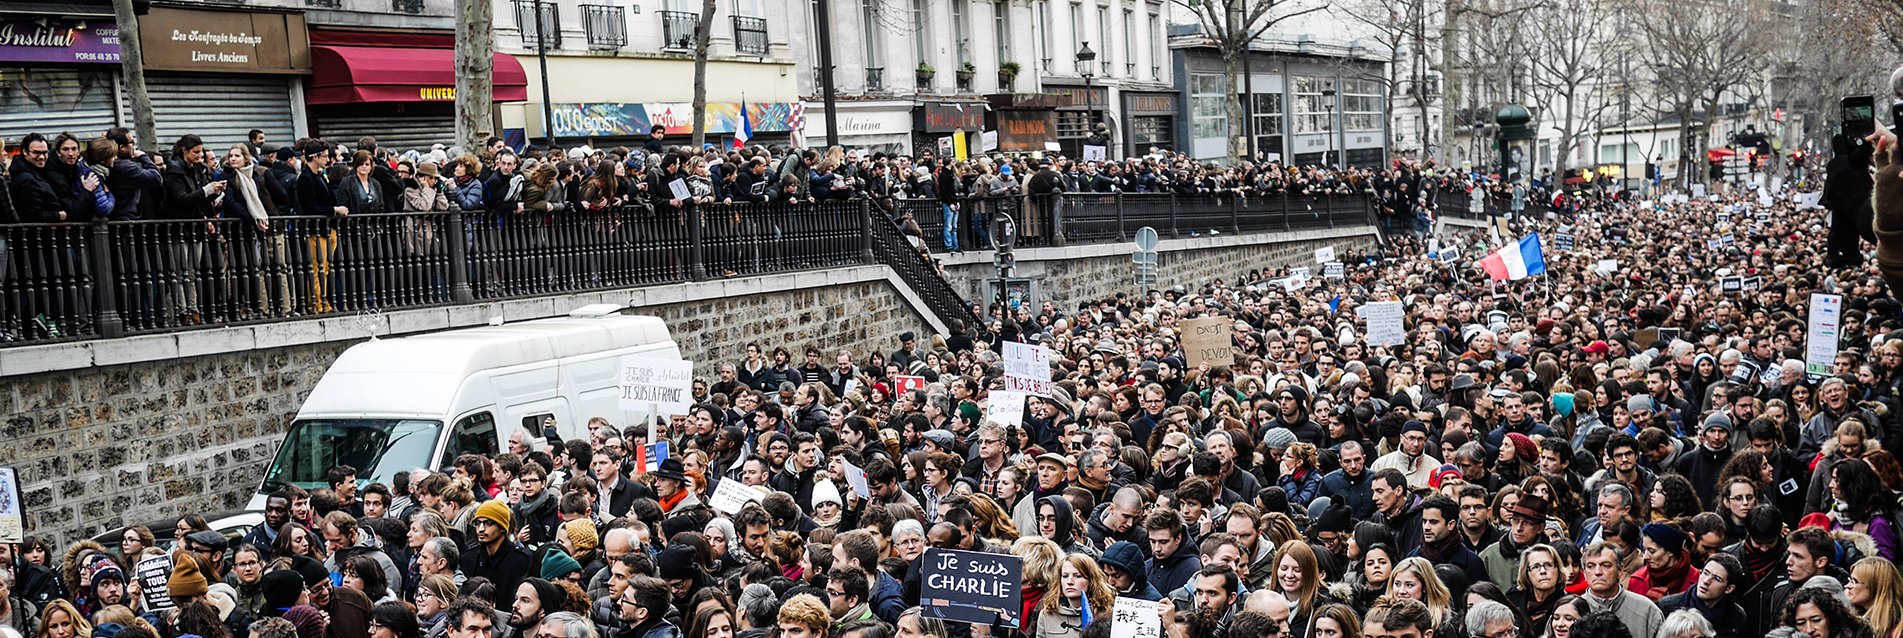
pixel 132 65
pixel 823 19
pixel 475 70
pixel 541 59
pixel 702 32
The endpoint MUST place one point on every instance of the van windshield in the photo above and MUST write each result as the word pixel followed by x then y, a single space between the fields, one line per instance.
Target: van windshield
pixel 378 448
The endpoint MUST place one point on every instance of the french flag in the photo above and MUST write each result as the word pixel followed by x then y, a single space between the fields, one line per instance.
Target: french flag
pixel 745 133
pixel 1517 261
pixel 647 458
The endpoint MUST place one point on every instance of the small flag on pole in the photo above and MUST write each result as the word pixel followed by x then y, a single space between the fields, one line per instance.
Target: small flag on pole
pixel 745 133
pixel 1516 261
pixel 648 457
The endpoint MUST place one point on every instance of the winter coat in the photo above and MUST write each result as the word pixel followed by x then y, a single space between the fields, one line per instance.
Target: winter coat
pixel 35 199
pixel 185 196
pixel 130 179
pixel 361 197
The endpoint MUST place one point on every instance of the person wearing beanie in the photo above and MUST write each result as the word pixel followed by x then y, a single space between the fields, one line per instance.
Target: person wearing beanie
pixel 557 566
pixel 1292 407
pixel 532 602
pixel 308 621
pixel 1668 566
pixel 281 591
pixel 494 554
pixel 1123 566
pixel 676 565
pixel 1410 458
pixel 1703 464
pixel 828 507
pixel 187 583
pixel 579 538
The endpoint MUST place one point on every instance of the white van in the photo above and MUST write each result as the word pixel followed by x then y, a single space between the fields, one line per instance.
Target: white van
pixel 382 406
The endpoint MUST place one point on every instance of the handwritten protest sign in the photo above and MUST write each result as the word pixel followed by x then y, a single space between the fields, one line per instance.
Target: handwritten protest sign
pixel 972 587
pixel 1385 326
pixel 1207 340
pixel 1820 342
pixel 1334 270
pixel 1027 368
pixel 1324 254
pixel 666 384
pixel 12 519
pixel 730 496
pixel 1006 407
pixel 1136 618
pixel 908 382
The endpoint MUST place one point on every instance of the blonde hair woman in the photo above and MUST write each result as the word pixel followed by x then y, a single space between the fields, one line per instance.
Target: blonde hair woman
pixel 1079 582
pixel 62 620
pixel 1042 558
pixel 1414 579
pixel 1875 590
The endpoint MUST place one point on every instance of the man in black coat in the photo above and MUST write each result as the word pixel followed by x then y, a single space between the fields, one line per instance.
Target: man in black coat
pixel 34 198
pixel 495 555
pixel 1712 596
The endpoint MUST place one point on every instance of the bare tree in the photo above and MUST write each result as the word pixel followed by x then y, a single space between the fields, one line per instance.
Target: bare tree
pixel 1571 63
pixel 1231 25
pixel 1701 51
pixel 702 33
pixel 475 68
pixel 1833 49
pixel 1483 63
pixel 132 65
pixel 1409 30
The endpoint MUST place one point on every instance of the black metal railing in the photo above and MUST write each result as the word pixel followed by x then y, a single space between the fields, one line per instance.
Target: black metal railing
pixel 1073 218
pixel 875 79
pixel 526 22
pixel 327 4
pixel 606 26
pixel 677 30
pixel 896 250
pixel 76 280
pixel 1457 202
pixel 407 6
pixel 749 35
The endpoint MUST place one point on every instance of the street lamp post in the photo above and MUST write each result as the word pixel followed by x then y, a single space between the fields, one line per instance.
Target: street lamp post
pixel 1328 102
pixel 541 58
pixel 1086 66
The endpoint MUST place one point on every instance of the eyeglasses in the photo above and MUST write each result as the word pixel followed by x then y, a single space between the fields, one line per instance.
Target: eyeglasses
pixel 1541 567
pixel 1509 632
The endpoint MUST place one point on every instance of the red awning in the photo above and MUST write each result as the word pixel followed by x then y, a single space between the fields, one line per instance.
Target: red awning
pixel 350 75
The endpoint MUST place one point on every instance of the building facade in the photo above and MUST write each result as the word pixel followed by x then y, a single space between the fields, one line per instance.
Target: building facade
pixel 1306 100
pixel 969 67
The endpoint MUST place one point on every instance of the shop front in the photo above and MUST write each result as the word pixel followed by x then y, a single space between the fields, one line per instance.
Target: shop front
pixel 403 94
pixel 222 74
pixel 58 74
pixel 1078 108
pixel 600 124
pixel 871 127
pixel 1026 122
pixel 1149 122
pixel 935 125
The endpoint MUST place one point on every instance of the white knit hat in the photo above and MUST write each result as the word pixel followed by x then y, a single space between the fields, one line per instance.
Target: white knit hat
pixel 825 492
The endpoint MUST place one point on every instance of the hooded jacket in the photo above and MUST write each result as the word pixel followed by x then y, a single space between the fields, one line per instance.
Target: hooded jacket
pixel 1065 534
pixel 1167 573
pixel 1128 557
pixel 1101 535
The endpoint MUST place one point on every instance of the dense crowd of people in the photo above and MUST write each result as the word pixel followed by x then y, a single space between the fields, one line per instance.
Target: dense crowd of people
pixel 274 247
pixel 1627 446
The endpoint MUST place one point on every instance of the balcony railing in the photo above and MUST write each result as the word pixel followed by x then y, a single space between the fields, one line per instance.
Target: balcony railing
pixel 875 79
pixel 526 23
pixel 749 35
pixel 407 6
pixel 328 4
pixel 677 30
pixel 606 26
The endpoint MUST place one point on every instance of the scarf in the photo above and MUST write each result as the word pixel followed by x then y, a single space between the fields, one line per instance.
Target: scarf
pixel 249 189
pixel 1759 564
pixel 1578 586
pixel 668 503
pixel 1670 580
pixel 1445 549
pixel 462 181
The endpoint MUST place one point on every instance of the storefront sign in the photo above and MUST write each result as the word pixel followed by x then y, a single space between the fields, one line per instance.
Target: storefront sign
pixel 1024 131
pixel 863 123
pixel 225 41
pixel 1150 104
pixel 622 119
pixel 1080 97
pixel 948 117
pixel 59 41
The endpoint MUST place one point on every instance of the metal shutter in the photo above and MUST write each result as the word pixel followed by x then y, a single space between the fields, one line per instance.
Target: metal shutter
pixel 220 109
pixel 396 130
pixel 51 101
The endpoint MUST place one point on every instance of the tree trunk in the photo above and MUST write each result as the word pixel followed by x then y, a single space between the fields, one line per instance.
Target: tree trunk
pixel 702 33
pixel 132 63
pixel 1232 109
pixel 475 71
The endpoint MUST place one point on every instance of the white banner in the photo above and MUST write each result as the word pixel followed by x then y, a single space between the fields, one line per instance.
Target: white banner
pixel 1027 368
pixel 1385 327
pixel 666 384
pixel 1006 407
